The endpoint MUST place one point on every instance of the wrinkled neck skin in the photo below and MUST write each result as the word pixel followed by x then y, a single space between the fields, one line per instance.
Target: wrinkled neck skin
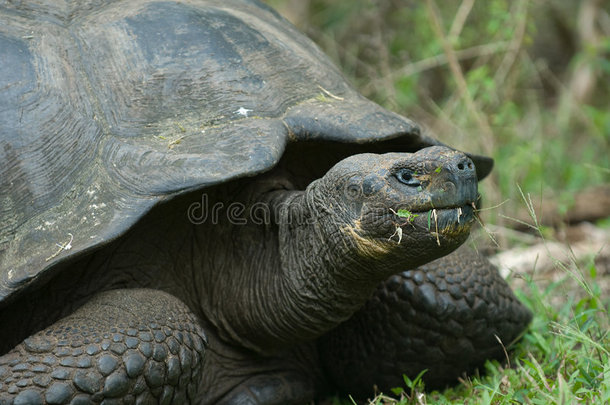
pixel 290 280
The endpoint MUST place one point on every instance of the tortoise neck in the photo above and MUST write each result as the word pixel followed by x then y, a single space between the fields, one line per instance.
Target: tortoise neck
pixel 309 283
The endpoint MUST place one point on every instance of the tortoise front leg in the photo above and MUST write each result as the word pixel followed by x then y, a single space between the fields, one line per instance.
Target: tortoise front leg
pixel 123 346
pixel 443 317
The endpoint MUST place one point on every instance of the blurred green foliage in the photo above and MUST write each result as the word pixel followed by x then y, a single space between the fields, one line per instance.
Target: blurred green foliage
pixel 521 62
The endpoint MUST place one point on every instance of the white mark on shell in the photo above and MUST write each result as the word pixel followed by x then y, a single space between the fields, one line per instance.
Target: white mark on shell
pixel 243 111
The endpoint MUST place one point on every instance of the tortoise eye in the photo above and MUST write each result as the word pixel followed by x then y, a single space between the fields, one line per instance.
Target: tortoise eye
pixel 405 176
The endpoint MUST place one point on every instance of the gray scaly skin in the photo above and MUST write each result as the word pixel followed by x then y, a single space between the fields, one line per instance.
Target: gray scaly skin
pixel 134 346
pixel 261 293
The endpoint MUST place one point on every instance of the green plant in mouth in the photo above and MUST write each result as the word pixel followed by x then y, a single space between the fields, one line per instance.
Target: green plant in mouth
pixel 408 215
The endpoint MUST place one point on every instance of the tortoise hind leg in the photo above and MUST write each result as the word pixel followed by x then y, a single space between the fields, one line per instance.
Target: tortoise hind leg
pixel 131 345
pixel 443 317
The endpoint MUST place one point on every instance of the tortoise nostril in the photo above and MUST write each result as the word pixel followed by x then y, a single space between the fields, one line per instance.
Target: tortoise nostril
pixel 464 165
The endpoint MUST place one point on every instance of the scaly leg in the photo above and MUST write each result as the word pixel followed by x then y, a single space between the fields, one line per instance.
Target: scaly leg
pixel 123 346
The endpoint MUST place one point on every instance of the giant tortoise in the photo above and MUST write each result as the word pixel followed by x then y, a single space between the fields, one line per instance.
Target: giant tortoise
pixel 196 207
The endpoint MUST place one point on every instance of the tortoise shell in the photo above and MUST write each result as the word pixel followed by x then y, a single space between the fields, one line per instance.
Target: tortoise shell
pixel 109 108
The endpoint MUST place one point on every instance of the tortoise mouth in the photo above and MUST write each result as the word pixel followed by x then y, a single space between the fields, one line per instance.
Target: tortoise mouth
pixel 442 220
pixel 435 232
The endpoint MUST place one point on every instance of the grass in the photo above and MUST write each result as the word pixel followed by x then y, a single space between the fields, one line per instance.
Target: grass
pixel 528 83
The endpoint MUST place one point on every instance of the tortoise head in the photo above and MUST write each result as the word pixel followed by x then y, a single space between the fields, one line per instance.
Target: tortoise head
pixel 401 209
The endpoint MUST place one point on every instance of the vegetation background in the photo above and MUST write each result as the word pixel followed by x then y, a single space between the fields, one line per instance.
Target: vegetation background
pixel 528 83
